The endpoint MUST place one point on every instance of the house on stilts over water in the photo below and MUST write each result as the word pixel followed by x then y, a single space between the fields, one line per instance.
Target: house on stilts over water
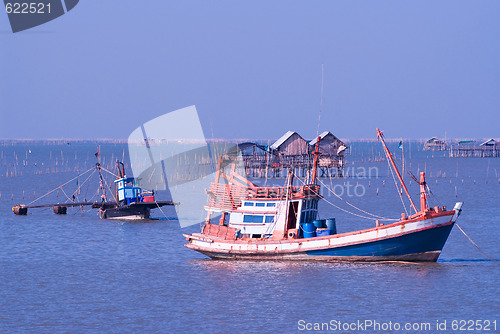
pixel 435 144
pixel 292 151
pixel 469 148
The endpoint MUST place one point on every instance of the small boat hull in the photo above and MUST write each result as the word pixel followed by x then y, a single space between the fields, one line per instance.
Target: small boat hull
pixel 417 241
pixel 133 211
pixel 127 212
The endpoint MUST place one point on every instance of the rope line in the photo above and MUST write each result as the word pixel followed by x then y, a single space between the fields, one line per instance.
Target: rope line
pixel 65 193
pixel 342 209
pixel 484 253
pixel 397 188
pixel 352 205
pixel 110 191
pixel 159 207
pixel 49 192
pixel 107 171
pixel 81 185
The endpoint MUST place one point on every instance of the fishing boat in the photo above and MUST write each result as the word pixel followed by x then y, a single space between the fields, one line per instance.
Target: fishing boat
pixel 129 202
pixel 279 223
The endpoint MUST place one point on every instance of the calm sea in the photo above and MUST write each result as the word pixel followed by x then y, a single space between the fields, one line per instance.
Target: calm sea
pixel 79 274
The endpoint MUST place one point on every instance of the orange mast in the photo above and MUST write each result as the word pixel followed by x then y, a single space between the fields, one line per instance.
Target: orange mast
pixel 388 154
pixel 423 193
pixel 316 155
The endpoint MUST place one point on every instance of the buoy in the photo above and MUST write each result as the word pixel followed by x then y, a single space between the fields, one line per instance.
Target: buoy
pixel 20 210
pixel 60 210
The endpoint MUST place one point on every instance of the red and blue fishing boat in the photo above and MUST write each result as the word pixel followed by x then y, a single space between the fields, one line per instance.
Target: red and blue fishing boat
pixel 279 223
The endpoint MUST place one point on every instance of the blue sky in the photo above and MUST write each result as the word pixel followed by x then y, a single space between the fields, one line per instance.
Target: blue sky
pixel 415 69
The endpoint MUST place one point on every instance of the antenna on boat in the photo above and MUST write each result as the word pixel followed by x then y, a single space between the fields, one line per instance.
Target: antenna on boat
pixel 388 154
pixel 316 152
pixel 121 169
pixel 320 101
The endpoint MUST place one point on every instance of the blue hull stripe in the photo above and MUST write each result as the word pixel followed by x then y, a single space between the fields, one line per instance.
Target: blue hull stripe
pixel 417 242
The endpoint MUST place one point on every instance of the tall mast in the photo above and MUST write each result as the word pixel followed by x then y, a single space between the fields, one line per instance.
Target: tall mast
pixel 388 154
pixel 316 155
pixel 101 181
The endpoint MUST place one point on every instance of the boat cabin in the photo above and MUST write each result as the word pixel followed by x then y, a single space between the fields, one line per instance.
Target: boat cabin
pixel 260 218
pixel 263 212
pixel 129 191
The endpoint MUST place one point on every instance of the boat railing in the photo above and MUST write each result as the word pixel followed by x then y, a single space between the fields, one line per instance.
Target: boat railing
pixel 230 196
pixel 220 231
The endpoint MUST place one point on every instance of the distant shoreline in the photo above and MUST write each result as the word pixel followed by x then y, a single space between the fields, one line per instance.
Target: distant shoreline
pixel 70 141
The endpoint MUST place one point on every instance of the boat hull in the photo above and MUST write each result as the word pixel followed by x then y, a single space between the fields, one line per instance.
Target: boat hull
pixel 416 247
pixel 128 212
pixel 133 211
pixel 417 257
pixel 418 241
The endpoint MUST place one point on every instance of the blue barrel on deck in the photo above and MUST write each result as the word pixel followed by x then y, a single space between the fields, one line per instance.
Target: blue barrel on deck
pixel 319 223
pixel 331 225
pixel 308 230
pixel 320 232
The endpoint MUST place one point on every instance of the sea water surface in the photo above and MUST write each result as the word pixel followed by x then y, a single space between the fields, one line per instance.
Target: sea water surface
pixel 79 274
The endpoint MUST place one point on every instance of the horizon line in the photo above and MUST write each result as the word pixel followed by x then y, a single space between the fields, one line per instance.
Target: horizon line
pixel 239 140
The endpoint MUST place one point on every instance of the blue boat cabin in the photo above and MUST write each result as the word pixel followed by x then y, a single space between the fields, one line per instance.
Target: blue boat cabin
pixel 128 190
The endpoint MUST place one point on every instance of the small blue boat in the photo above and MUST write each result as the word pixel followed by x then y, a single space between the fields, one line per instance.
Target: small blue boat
pixel 131 201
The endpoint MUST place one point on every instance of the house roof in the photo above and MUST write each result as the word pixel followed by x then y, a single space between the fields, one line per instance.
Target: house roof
pixel 489 142
pixel 321 136
pixel 283 138
pixel 245 145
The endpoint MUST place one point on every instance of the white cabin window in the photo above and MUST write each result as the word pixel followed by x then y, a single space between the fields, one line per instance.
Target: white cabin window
pixel 257 219
pixel 269 219
pixel 271 204
pixel 248 204
pixel 260 204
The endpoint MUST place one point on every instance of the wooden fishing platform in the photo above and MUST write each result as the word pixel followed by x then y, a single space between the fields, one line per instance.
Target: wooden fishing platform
pixel 61 208
pixel 469 148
